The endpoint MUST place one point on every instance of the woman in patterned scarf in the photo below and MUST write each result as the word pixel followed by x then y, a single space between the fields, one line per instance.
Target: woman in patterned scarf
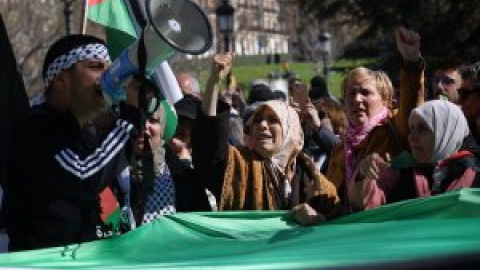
pixel 272 173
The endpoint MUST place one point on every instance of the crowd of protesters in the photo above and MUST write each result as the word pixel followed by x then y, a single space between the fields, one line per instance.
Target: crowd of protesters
pixel 291 146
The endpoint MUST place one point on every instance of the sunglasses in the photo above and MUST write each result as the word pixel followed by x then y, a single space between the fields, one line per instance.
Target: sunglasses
pixel 444 80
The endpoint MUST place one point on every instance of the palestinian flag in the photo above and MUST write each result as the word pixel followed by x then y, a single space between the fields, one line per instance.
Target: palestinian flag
pixel 114 15
pixel 122 30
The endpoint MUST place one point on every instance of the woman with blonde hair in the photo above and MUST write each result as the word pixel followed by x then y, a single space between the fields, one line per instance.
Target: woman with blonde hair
pixel 373 128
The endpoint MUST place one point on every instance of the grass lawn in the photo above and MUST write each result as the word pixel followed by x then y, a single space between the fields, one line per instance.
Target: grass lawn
pixel 246 74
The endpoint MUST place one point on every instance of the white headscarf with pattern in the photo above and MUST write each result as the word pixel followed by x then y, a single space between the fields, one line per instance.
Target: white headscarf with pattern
pixel 292 133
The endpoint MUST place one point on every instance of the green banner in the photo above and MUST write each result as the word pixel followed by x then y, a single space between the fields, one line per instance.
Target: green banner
pixel 429 228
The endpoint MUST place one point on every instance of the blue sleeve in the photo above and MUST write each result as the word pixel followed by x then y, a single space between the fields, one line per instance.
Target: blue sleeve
pixel 325 139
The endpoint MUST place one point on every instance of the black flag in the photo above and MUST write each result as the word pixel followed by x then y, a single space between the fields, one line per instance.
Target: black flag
pixel 13 97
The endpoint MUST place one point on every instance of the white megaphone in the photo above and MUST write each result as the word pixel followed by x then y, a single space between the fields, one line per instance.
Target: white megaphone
pixel 172 25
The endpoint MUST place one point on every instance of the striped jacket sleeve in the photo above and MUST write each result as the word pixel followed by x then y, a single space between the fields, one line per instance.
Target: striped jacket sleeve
pixel 93 163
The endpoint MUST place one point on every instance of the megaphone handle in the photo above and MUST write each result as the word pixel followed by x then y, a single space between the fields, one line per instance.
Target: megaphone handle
pixel 142 54
pixel 147 168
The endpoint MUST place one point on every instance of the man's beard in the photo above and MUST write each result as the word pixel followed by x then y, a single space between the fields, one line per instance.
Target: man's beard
pixel 89 114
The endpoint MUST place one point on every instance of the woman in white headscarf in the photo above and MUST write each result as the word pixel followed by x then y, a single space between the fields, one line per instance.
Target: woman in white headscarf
pixel 271 173
pixel 437 163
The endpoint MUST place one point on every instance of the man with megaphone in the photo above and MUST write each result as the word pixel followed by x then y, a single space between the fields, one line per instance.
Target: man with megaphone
pixel 51 167
pixel 51 196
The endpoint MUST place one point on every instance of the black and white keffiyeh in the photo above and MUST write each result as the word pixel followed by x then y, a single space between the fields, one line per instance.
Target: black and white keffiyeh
pixel 162 201
pixel 65 61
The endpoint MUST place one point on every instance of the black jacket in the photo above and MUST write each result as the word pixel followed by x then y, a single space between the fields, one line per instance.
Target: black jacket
pixel 51 194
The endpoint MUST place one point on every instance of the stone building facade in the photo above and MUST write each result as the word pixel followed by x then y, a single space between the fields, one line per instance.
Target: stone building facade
pixel 262 27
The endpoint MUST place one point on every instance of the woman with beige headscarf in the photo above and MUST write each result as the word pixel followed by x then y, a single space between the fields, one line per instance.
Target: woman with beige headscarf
pixel 439 161
pixel 272 173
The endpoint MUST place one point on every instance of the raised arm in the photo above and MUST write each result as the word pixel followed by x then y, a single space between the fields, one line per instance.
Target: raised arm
pixel 221 66
pixel 211 129
pixel 411 78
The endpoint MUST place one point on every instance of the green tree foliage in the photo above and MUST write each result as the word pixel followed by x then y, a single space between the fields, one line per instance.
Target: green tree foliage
pixel 449 28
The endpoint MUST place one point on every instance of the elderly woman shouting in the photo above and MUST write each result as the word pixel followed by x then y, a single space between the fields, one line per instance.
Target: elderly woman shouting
pixel 272 173
pixel 373 126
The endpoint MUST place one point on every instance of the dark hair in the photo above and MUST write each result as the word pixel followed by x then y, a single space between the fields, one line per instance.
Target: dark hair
pixel 260 92
pixel 280 95
pixel 64 45
pixel 335 112
pixel 453 63
pixel 318 88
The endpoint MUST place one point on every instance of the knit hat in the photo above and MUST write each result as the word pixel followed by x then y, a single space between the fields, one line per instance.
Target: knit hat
pixel 69 50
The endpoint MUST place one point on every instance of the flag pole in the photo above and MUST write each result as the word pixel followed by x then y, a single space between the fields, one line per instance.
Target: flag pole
pixel 84 16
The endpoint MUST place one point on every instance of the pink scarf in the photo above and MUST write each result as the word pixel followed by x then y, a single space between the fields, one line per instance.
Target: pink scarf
pixel 355 135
